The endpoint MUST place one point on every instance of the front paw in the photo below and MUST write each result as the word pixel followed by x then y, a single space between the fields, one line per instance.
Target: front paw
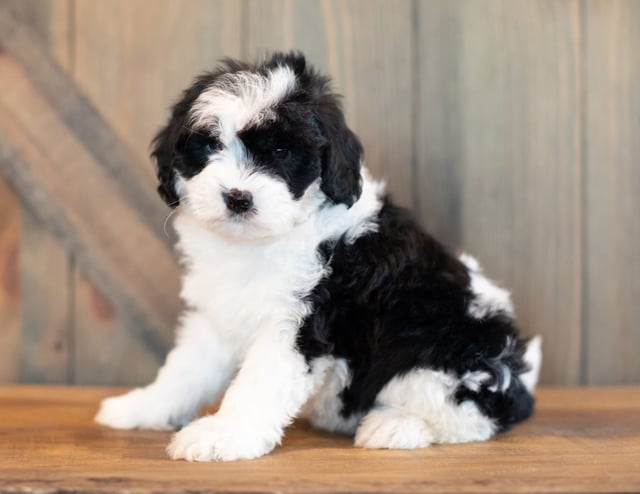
pixel 136 410
pixel 215 439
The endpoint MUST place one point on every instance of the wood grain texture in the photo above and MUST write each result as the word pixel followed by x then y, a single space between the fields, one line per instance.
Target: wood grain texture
pixel 45 305
pixel 499 155
pixel 369 55
pixel 509 126
pixel 107 351
pixel 55 86
pixel 580 440
pixel 56 303
pixel 10 226
pixel 612 193
pixel 133 59
pixel 70 190
pixel 49 21
pixel 46 267
pixel 46 340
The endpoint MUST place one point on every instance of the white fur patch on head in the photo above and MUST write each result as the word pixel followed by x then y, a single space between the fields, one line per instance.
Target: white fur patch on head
pixel 239 99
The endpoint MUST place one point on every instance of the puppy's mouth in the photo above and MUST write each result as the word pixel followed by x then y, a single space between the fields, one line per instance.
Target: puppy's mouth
pixel 241 217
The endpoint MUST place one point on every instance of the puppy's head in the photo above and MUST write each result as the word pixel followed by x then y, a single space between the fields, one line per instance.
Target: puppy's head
pixel 252 150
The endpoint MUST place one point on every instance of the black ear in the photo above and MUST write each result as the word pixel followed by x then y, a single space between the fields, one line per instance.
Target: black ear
pixel 164 155
pixel 163 146
pixel 341 179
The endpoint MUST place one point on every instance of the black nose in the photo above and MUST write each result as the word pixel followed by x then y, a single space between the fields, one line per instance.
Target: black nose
pixel 238 201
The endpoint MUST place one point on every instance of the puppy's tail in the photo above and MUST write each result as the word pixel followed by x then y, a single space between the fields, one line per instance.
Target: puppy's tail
pixel 533 358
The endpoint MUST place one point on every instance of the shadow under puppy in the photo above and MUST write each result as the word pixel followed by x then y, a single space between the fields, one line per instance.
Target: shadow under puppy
pixel 308 292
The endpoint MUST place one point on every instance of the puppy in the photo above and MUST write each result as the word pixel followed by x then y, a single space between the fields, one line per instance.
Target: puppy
pixel 308 293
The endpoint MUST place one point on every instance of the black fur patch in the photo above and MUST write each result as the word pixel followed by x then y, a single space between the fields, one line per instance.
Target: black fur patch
pixel 289 148
pixel 194 151
pixel 396 300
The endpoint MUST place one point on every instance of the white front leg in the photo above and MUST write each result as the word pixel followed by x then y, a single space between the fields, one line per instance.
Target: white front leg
pixel 196 372
pixel 266 395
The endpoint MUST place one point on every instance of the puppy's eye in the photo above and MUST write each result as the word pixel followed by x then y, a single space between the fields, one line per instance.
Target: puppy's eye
pixel 212 145
pixel 280 153
pixel 205 144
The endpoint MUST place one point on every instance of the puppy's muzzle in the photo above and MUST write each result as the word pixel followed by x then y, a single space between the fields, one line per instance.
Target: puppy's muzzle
pixel 238 201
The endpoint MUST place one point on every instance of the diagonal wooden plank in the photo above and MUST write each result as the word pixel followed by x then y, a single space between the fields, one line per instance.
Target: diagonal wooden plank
pixel 80 116
pixel 45 343
pixel 64 184
pixel 131 60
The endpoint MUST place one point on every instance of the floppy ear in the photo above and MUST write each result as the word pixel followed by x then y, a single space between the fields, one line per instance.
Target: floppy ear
pixel 341 180
pixel 163 146
pixel 163 153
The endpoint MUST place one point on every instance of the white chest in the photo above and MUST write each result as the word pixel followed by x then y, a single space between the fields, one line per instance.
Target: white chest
pixel 245 288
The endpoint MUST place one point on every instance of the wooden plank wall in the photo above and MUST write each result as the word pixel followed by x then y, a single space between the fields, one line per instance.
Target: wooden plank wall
pixel 498 159
pixel 508 126
pixel 612 192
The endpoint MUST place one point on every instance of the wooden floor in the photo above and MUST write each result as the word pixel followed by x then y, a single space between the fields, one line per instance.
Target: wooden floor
pixel 580 440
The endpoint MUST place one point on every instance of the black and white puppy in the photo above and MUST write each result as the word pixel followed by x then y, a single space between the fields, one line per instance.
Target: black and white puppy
pixel 308 293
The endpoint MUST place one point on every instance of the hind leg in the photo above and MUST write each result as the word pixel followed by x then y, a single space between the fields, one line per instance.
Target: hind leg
pixel 323 409
pixel 418 409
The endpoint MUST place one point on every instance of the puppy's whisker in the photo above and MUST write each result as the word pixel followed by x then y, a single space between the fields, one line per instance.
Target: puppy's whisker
pixel 166 220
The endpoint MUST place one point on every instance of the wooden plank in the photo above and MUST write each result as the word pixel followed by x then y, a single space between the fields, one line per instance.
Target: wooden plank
pixel 45 346
pixel 369 54
pixel 612 197
pixel 95 320
pixel 45 300
pixel 440 124
pixel 48 20
pixel 499 155
pixel 82 203
pixel 10 226
pixel 132 59
pixel 304 25
pixel 77 113
pixel 50 444
pixel 107 350
pixel 46 268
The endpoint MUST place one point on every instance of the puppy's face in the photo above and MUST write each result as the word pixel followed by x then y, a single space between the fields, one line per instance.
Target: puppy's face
pixel 252 150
